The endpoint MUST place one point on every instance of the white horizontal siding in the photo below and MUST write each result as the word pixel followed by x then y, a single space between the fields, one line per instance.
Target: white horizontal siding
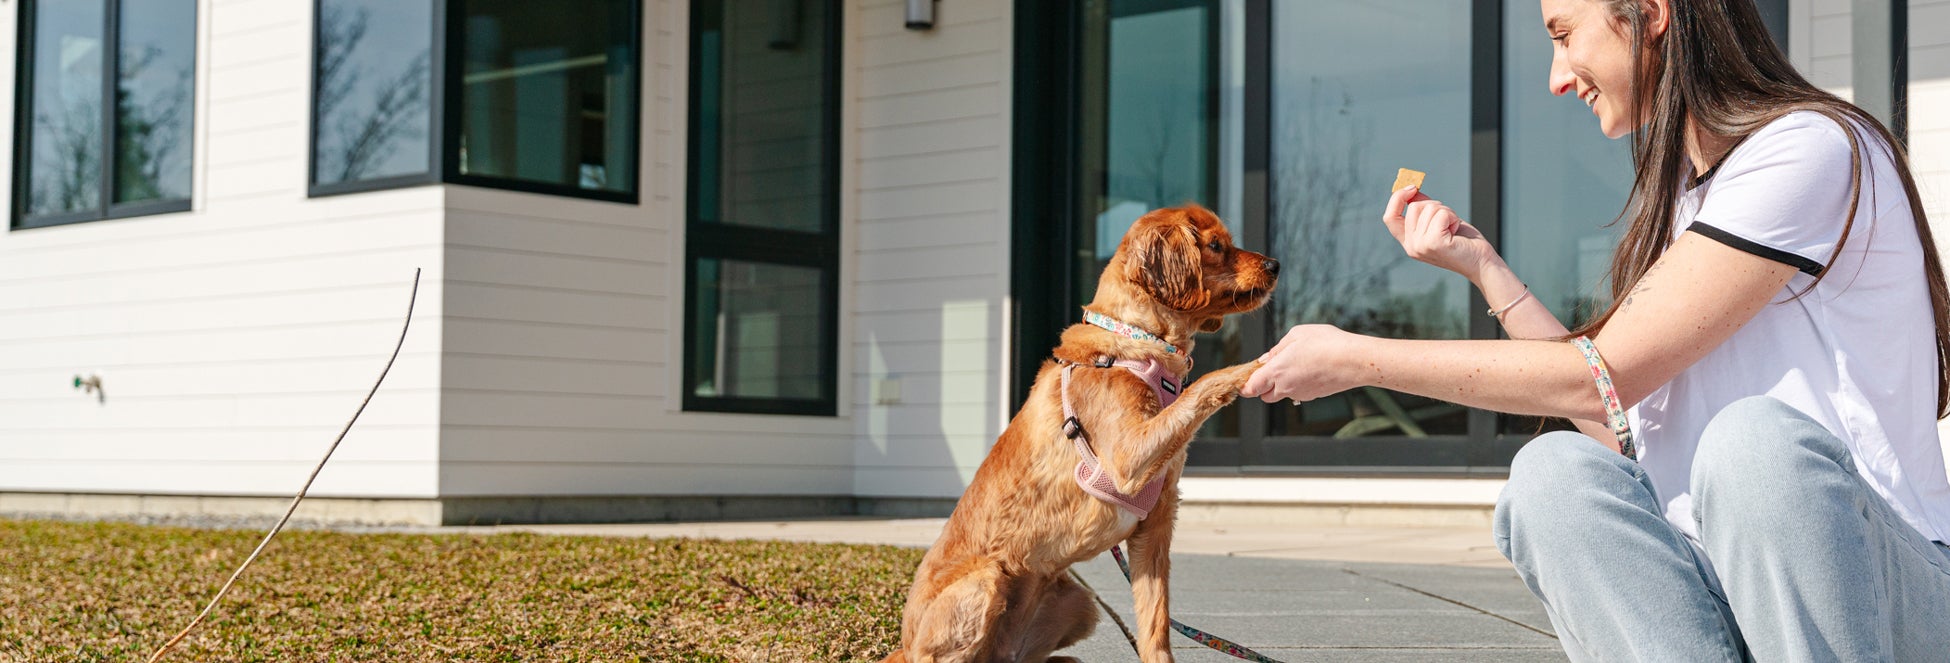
pixel 233 341
pixel 928 113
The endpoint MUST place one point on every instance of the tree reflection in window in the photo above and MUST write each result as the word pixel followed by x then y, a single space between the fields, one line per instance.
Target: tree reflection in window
pixel 373 78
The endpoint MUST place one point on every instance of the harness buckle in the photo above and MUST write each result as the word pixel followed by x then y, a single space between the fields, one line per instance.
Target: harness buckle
pixel 1104 361
pixel 1072 428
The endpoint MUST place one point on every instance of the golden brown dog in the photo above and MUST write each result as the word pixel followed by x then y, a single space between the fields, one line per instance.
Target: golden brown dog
pixel 995 586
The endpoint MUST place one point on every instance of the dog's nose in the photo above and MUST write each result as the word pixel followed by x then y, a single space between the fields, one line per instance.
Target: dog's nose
pixel 1271 266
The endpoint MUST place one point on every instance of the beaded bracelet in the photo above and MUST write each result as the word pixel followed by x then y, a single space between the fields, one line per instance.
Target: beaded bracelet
pixel 1621 427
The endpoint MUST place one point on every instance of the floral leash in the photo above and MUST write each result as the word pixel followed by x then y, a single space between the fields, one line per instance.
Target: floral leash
pixel 1217 643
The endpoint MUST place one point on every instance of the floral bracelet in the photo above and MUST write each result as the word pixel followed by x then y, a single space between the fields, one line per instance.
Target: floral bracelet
pixel 1621 427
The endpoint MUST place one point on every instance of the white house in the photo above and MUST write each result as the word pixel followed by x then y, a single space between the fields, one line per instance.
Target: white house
pixel 742 258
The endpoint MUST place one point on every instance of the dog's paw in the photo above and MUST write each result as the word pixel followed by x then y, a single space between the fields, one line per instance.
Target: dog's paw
pixel 1231 378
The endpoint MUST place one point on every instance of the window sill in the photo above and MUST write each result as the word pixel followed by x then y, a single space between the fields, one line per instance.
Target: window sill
pixel 125 211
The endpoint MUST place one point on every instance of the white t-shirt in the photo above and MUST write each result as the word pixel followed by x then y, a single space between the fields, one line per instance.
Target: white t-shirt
pixel 1857 354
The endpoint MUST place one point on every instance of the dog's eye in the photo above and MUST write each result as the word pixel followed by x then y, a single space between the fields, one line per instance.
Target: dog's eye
pixel 1215 246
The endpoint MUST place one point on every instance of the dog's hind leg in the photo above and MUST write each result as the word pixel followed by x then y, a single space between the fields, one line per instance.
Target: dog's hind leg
pixel 958 625
pixel 1066 614
pixel 1150 579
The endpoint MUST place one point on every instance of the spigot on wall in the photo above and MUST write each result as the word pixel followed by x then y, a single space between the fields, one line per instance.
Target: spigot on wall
pixel 91 385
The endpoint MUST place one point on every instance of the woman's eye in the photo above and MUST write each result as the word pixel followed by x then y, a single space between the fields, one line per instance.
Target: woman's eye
pixel 1563 39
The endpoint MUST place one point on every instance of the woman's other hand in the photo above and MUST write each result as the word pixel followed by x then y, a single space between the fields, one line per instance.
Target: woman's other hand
pixel 1431 232
pixel 1311 361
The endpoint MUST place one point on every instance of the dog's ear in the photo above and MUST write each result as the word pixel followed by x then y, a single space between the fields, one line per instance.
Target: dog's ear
pixel 1164 260
pixel 1211 325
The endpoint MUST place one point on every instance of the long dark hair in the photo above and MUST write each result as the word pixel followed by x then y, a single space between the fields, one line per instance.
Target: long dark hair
pixel 1717 64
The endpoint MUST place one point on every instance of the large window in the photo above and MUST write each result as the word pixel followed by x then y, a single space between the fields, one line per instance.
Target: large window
pixel 103 128
pixel 1289 117
pixel 762 261
pixel 519 95
pixel 1359 89
pixel 373 83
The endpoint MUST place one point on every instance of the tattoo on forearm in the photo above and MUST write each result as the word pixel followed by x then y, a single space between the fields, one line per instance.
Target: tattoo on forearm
pixel 1640 287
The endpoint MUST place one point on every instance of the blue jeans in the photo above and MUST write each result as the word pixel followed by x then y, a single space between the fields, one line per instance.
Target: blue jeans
pixel 1799 559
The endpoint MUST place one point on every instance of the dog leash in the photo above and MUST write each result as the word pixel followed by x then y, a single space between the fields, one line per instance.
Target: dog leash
pixel 1217 643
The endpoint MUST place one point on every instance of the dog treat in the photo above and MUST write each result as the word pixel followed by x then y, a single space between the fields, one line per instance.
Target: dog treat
pixel 1405 177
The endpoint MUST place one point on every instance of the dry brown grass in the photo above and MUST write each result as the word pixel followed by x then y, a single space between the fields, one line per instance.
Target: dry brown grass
pixel 114 592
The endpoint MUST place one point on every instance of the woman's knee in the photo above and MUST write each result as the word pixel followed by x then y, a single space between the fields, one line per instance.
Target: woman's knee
pixel 1549 472
pixel 1759 438
pixel 1754 458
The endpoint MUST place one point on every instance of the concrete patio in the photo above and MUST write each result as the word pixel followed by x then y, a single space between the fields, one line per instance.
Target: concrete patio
pixel 1293 591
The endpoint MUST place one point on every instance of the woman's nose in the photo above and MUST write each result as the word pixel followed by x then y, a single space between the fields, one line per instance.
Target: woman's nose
pixel 1561 81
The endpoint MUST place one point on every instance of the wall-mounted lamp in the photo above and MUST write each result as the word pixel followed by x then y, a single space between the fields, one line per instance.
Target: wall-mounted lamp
pixel 920 14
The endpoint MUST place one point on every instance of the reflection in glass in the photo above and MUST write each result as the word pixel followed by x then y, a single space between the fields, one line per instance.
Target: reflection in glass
pixel 1360 89
pixel 1152 122
pixel 548 92
pixel 761 123
pixel 758 330
pixel 373 79
pixel 64 172
pixel 1563 181
pixel 156 60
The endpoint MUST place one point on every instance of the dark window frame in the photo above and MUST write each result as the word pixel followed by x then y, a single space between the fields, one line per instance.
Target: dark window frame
pixel 105 208
pixel 444 121
pixel 723 241
pixel 435 105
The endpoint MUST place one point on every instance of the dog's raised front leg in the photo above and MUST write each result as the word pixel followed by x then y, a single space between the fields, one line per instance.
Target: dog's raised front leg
pixel 1144 445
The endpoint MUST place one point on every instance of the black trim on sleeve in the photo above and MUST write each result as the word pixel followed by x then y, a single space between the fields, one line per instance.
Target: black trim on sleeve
pixel 1807 266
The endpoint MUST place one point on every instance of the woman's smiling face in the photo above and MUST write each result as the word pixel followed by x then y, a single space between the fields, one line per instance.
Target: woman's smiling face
pixel 1591 58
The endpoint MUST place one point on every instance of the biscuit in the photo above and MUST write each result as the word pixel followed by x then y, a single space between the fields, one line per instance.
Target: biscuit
pixel 1405 177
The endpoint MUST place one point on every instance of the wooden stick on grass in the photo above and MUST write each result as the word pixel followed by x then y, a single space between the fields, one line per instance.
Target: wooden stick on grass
pixel 301 491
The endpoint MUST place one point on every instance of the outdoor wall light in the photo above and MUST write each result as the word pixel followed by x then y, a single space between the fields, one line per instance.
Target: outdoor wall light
pixel 920 14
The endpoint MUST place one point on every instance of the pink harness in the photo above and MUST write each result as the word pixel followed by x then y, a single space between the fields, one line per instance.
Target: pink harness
pixel 1090 473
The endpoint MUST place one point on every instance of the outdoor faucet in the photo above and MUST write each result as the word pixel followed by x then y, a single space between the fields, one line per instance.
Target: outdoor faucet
pixel 91 385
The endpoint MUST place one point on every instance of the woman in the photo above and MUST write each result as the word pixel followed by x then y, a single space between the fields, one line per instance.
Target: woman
pixel 1777 328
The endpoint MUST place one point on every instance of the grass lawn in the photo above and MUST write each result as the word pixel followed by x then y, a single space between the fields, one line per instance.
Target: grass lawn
pixel 115 592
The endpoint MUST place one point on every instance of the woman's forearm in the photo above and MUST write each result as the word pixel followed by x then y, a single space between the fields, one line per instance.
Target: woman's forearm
pixel 1542 378
pixel 1529 319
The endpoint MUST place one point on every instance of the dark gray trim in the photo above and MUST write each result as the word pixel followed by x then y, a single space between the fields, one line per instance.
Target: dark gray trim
pixel 23 82
pixel 1879 68
pixel 105 208
pixel 1774 14
pixel 1042 183
pixel 1806 265
pixel 721 241
pixel 1485 186
pixel 1256 191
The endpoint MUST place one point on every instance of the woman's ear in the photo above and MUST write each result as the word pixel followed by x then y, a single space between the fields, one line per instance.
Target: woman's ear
pixel 1658 16
pixel 1164 261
